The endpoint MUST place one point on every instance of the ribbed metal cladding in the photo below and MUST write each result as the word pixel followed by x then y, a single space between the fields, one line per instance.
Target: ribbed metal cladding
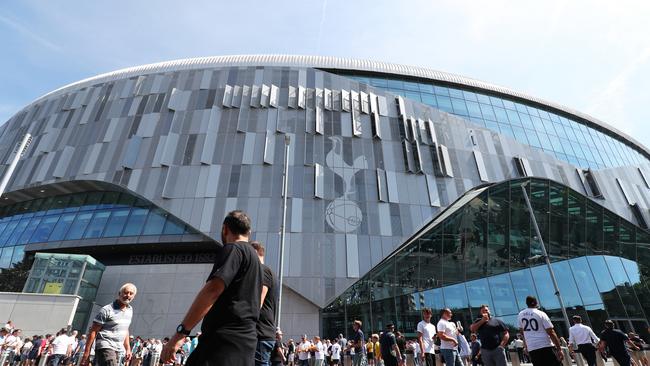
pixel 327 62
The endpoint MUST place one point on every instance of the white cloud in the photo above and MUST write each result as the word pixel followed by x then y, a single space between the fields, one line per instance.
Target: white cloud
pixel 25 31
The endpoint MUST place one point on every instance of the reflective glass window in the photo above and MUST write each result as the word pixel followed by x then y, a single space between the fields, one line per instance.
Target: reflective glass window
pixel 413 96
pixel 441 90
pixel 426 88
pixel 459 107
pixel 5 257
pixel 395 84
pixel 610 233
pixel 455 297
pixel 558 236
pixel 59 204
pixel 533 140
pixel 173 227
pixel 136 222
pixel 62 227
pixel 11 226
pixel 430 259
pixel 13 239
pixel 487 112
pixel 503 295
pixel 501 115
pixel 29 230
pixel 622 283
pixel 523 285
pixel 566 283
pixel 455 93
pixel 544 286
pixel 444 103
pixel 468 95
pixel 606 286
pixel 513 117
pixel 409 85
pixel 155 222
pixel 474 110
pixel 583 276
pixel 96 226
pixel 453 244
pixel 478 292
pixel 520 229
pixel 116 223
pixel 44 229
pixel 433 299
pixel 382 83
pixel 429 99
pixel 78 226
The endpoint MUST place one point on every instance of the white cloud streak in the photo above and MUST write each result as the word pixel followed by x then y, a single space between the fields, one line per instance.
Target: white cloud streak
pixel 25 31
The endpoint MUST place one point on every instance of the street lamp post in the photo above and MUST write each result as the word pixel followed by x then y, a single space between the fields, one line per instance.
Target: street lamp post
pixel 19 151
pixel 285 189
pixel 545 254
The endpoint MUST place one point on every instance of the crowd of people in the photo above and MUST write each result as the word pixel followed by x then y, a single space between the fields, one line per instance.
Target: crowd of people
pixel 237 307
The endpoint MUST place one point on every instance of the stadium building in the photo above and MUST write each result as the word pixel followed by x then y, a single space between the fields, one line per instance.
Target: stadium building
pixel 404 191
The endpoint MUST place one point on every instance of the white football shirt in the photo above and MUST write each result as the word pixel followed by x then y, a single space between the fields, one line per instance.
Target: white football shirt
pixel 534 324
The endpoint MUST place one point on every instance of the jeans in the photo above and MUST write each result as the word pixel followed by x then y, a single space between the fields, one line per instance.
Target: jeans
pixel 451 357
pixel 55 360
pixel 357 359
pixel 263 352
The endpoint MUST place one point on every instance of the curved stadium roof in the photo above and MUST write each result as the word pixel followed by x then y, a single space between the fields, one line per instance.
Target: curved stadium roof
pixel 344 64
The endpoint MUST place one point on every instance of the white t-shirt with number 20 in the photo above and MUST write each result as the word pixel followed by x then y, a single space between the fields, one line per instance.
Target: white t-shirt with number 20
pixel 534 324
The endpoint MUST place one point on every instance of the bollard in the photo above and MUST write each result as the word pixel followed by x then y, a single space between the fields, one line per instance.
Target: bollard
pixel 580 361
pixel 3 357
pixel 567 357
pixel 43 360
pixel 155 358
pixel 514 358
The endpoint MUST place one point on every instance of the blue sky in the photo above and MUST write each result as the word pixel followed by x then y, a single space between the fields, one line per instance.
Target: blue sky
pixel 593 56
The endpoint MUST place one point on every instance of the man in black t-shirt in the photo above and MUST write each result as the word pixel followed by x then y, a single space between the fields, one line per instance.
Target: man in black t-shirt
pixel 390 352
pixel 277 355
pixel 266 323
pixel 358 341
pixel 229 303
pixel 494 337
pixel 616 341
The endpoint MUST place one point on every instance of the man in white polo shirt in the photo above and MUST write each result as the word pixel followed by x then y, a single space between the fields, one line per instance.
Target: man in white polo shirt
pixel 426 331
pixel 542 343
pixel 585 338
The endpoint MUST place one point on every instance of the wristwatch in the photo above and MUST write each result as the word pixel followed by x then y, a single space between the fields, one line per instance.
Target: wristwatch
pixel 181 330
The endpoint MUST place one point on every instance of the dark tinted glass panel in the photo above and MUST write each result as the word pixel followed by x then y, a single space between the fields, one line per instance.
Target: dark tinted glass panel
pixel 577 237
pixel 593 228
pixel 610 233
pixel 558 238
pixel 498 233
pixel 476 238
pixel 453 247
pixel 520 229
pixel 92 201
pixel 430 259
pixel 623 286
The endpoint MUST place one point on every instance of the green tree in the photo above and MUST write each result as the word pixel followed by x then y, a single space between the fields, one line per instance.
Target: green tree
pixel 13 279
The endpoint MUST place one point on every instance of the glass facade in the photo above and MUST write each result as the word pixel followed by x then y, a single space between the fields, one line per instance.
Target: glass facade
pixel 484 252
pixel 68 274
pixel 566 139
pixel 80 216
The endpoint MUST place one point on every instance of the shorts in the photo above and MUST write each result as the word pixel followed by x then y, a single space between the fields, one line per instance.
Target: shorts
pixel 290 357
pixel 544 357
pixel 335 362
pixel 371 356
pixel 106 357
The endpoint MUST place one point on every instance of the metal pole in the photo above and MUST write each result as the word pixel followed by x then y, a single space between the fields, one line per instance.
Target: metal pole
pixel 285 189
pixel 19 151
pixel 548 260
